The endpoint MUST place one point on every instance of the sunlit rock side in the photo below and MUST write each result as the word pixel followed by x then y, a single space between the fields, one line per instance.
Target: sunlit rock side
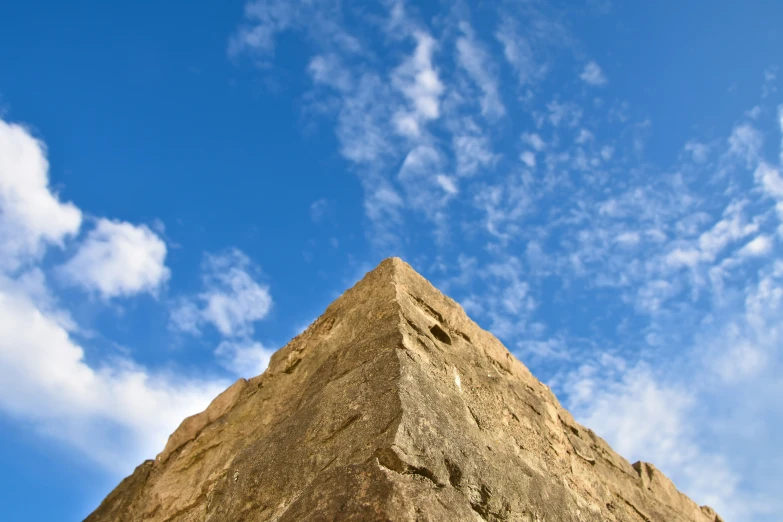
pixel 393 405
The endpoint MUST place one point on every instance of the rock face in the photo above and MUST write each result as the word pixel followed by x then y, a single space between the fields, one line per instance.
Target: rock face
pixel 393 406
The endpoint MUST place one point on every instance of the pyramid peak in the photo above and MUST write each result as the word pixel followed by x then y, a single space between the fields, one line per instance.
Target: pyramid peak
pixel 393 405
pixel 395 268
pixel 394 261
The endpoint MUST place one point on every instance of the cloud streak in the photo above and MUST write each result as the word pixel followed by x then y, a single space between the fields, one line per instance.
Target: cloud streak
pixel 232 299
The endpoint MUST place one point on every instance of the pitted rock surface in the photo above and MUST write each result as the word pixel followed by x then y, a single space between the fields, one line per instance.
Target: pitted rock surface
pixel 393 406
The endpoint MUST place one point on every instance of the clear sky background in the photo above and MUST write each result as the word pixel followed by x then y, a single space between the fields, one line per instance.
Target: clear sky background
pixel 185 187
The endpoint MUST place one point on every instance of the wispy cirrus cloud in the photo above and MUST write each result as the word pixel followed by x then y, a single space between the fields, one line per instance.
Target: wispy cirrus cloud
pixel 479 65
pixel 418 81
pixel 593 75
pixel 232 299
pixel 573 244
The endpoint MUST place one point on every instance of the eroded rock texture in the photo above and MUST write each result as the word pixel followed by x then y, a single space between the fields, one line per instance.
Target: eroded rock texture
pixel 393 406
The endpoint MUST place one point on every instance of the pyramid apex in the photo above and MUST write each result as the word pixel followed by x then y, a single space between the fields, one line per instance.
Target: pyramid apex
pixel 395 264
pixel 393 260
pixel 392 269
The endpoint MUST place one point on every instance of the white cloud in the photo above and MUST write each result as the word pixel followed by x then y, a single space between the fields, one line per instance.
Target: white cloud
pixel 421 160
pixel 244 358
pixel 592 74
pixel 528 158
pixel 426 189
pixel 328 70
pixel 473 153
pixel 680 257
pixel 116 413
pixel 731 228
pixel 534 140
pixel 31 215
pixel 362 120
pixel 568 113
pixel 745 142
pixel 504 206
pixel 644 418
pixel 759 246
pixel 769 87
pixel 317 209
pixel 518 52
pixel 118 259
pixel 594 215
pixel 265 19
pixel 551 348
pixel 653 295
pixel 584 136
pixel 641 418
pixel 698 151
pixel 770 180
pixel 741 351
pixel 382 203
pixel 655 235
pixel 370 112
pixel 780 127
pixel 232 300
pixel 447 184
pixel 743 360
pixel 753 113
pixel 186 317
pixel 406 124
pixel 417 79
pixel 694 413
pixel 476 61
pixel 508 303
pixel 628 238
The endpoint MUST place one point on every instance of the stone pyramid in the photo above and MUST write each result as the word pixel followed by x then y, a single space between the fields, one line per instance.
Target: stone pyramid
pixel 393 406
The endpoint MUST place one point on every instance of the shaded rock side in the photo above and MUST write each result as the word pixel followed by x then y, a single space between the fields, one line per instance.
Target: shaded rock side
pixel 393 406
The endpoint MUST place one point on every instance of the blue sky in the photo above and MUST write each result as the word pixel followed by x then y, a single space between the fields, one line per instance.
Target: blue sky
pixel 182 190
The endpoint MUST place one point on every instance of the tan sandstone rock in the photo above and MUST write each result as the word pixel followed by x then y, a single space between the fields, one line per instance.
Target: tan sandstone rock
pixel 393 406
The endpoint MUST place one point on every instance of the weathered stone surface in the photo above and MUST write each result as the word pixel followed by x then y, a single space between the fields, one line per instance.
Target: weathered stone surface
pixel 393 406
